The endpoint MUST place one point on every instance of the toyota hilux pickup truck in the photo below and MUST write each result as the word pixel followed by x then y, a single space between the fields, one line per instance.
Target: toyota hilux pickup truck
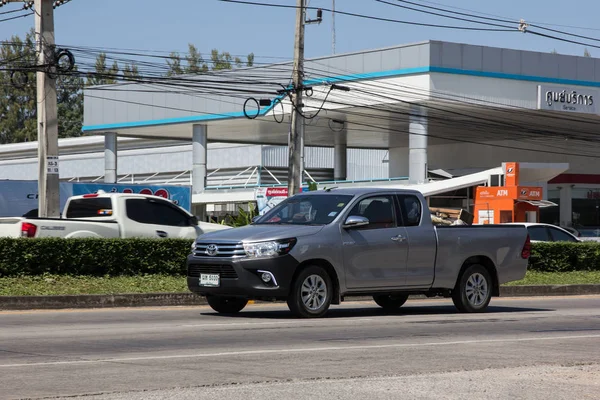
pixel 316 248
pixel 112 215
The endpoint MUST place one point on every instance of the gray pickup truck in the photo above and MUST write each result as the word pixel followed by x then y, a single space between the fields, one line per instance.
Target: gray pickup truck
pixel 315 248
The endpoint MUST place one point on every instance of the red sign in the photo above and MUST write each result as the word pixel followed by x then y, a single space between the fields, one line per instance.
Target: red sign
pixel 277 192
pixel 160 192
pixel 593 194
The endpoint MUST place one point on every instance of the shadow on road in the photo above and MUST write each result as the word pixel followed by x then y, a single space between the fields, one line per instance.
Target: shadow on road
pixel 375 311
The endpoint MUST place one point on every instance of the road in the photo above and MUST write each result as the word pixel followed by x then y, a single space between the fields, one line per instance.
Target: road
pixel 534 348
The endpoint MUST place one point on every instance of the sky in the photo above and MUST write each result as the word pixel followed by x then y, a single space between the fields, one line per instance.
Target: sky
pixel 269 32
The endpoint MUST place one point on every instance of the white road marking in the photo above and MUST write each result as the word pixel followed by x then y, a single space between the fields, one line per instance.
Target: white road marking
pixel 301 350
pixel 292 323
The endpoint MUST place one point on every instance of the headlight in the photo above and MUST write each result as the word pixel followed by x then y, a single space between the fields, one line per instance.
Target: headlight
pixel 269 249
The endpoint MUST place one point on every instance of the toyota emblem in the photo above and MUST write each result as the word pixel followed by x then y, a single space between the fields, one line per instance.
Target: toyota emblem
pixel 212 250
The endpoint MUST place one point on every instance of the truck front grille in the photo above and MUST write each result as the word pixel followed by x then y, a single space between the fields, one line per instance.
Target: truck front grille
pixel 219 250
pixel 226 271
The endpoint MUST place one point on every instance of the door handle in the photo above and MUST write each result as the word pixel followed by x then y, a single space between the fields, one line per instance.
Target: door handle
pixel 398 238
pixel 162 234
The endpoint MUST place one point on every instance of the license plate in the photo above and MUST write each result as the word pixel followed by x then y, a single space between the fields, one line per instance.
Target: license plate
pixel 210 280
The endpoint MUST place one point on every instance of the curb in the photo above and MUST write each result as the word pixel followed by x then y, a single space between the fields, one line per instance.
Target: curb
pixel 547 290
pixel 190 299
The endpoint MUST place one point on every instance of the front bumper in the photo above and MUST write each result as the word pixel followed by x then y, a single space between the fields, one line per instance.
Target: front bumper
pixel 240 277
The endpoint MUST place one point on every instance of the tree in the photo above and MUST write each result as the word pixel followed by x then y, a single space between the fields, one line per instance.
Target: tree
pixel 250 60
pixel 553 51
pixel 103 75
pixel 174 63
pixel 243 218
pixel 18 103
pixel 70 104
pixel 195 63
pixel 131 71
pixel 586 53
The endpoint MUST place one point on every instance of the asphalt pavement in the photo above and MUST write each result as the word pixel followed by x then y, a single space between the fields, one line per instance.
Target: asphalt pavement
pixel 533 348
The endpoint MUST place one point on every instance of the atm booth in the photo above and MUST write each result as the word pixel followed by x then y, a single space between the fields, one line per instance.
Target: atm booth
pixel 509 203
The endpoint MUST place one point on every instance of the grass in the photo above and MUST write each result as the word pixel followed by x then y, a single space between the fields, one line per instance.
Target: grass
pixel 64 284
pixel 558 278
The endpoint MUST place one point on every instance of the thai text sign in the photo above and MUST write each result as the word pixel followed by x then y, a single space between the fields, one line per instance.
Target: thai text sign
pixel 560 98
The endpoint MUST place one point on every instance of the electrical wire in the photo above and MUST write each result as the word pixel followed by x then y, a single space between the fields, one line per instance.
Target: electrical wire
pixel 374 18
pixel 12 11
pixel 17 16
pixel 536 25
pixel 193 87
pixel 442 15
pixel 381 129
pixel 513 19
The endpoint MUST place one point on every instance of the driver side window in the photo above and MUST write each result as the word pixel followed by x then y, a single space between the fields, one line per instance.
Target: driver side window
pixel 378 210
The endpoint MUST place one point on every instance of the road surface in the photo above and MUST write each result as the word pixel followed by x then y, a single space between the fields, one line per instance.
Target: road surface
pixel 534 348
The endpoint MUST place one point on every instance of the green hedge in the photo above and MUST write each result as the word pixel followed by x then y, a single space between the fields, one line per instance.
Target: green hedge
pixel 93 257
pixel 565 257
pixel 128 257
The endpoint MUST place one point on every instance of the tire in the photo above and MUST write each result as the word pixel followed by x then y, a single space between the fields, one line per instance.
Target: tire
pixel 390 302
pixel 473 290
pixel 226 305
pixel 311 293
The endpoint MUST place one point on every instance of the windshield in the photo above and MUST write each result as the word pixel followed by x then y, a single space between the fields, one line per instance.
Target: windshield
pixel 314 209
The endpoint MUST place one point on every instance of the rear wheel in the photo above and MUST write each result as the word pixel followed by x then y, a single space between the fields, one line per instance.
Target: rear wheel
pixel 390 302
pixel 226 305
pixel 473 291
pixel 311 293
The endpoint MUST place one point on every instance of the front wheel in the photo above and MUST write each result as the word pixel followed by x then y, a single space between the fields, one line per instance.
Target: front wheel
pixel 390 302
pixel 473 291
pixel 311 293
pixel 226 305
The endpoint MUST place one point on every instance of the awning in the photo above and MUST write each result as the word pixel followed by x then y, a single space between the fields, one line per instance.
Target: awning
pixel 539 203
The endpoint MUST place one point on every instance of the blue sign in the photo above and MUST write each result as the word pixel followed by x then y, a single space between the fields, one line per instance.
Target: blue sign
pixel 18 198
pixel 180 195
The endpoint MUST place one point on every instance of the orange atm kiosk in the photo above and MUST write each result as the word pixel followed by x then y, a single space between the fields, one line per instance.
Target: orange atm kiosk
pixel 508 203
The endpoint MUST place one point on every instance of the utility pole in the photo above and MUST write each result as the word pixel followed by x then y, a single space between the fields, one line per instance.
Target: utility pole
pixel 332 26
pixel 47 113
pixel 297 129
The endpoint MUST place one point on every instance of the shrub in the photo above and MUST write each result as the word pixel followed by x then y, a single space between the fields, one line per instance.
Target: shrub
pixel 93 257
pixel 564 257
pixel 130 257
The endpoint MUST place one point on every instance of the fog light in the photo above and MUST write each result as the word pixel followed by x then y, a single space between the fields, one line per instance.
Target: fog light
pixel 266 277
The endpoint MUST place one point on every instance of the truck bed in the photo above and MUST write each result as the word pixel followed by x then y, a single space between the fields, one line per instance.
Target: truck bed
pixel 59 227
pixel 501 244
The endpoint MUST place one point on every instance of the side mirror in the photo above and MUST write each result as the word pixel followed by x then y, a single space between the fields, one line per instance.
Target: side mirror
pixel 194 220
pixel 354 221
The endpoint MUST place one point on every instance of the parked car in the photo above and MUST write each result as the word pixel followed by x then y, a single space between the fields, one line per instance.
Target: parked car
pixel 572 231
pixel 314 249
pixel 112 215
pixel 539 232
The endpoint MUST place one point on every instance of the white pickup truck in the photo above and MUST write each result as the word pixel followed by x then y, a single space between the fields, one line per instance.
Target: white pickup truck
pixel 112 215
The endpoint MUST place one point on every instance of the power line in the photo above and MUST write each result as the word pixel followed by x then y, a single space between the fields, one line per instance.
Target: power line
pixel 195 86
pixel 379 128
pixel 562 39
pixel 539 26
pixel 513 19
pixel 369 16
pixel 441 15
pixel 12 11
pixel 17 16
